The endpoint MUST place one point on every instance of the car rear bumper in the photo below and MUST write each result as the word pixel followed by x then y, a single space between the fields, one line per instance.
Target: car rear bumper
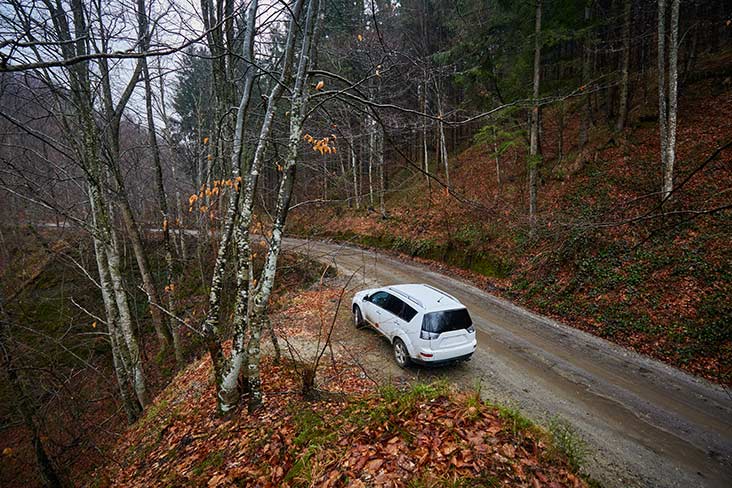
pixel 442 362
pixel 443 356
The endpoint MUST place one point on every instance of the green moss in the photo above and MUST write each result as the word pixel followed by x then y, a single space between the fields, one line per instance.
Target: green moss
pixel 214 460
pixel 311 429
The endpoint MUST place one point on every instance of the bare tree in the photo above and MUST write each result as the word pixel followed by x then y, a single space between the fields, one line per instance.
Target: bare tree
pixel 624 66
pixel 171 329
pixel 25 404
pixel 263 289
pixel 586 103
pixel 534 156
pixel 668 95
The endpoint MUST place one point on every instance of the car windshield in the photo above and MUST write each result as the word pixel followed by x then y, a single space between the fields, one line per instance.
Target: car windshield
pixel 447 320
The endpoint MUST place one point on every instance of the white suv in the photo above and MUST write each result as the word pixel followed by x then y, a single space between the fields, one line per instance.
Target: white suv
pixel 424 325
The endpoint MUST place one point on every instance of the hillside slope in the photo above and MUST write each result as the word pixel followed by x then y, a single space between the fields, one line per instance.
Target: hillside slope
pixel 347 433
pixel 606 257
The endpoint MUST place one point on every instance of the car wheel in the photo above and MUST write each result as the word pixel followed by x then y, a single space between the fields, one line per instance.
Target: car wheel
pixel 401 355
pixel 357 317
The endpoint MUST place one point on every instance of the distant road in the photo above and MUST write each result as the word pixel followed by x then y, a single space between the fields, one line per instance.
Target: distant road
pixel 646 423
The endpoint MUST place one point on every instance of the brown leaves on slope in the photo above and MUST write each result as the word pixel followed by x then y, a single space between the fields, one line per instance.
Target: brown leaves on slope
pixel 427 433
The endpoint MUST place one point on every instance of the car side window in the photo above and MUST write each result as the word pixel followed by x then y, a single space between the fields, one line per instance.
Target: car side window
pixel 394 305
pixel 380 299
pixel 408 313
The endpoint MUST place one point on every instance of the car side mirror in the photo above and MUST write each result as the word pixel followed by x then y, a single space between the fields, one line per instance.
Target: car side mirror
pixel 367 298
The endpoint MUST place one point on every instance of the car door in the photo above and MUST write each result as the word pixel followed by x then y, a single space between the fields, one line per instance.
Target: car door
pixel 375 312
pixel 391 317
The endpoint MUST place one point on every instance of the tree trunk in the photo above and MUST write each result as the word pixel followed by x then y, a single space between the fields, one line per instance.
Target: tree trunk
pixel 662 106
pixel 120 359
pixel 425 154
pixel 382 177
pixel 625 66
pixel 357 196
pixel 443 143
pixel 103 218
pixel 498 162
pixel 171 332
pixel 113 115
pixel 180 221
pixel 228 371
pixel 534 155
pixel 668 103
pixel 673 77
pixel 344 176
pixel 264 288
pixel 372 150
pixel 560 132
pixel 125 317
pixel 586 68
pixel 25 405
pixel 148 283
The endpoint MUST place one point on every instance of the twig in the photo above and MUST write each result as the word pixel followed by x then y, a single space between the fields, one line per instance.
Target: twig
pixel 171 315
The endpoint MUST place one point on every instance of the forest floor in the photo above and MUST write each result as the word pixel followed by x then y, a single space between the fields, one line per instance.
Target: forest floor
pixel 362 426
pixel 606 258
pixel 55 309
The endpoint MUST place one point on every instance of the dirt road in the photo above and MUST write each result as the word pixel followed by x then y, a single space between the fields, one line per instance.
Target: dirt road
pixel 646 424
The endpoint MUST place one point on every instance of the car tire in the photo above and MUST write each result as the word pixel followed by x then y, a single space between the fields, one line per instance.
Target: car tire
pixel 401 354
pixel 357 317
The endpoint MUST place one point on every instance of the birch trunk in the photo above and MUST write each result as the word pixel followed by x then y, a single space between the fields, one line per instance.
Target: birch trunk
pixel 119 359
pixel 125 317
pixel 264 289
pixel 356 194
pixel 586 68
pixel 372 150
pixel 673 77
pixel 443 144
pixel 228 390
pixel 229 371
pixel 534 155
pixel 382 178
pixel 625 66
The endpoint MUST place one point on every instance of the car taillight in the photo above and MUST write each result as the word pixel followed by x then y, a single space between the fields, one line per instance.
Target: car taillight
pixel 426 335
pixel 471 328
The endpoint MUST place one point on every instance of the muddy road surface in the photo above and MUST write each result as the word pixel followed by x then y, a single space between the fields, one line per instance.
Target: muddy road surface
pixel 646 424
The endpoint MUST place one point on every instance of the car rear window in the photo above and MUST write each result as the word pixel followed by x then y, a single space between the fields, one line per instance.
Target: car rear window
pixel 447 320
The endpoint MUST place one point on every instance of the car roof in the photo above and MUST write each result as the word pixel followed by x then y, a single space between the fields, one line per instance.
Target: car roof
pixel 425 297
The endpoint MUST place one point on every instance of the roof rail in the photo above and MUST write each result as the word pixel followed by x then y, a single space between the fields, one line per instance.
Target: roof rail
pixel 407 296
pixel 442 292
